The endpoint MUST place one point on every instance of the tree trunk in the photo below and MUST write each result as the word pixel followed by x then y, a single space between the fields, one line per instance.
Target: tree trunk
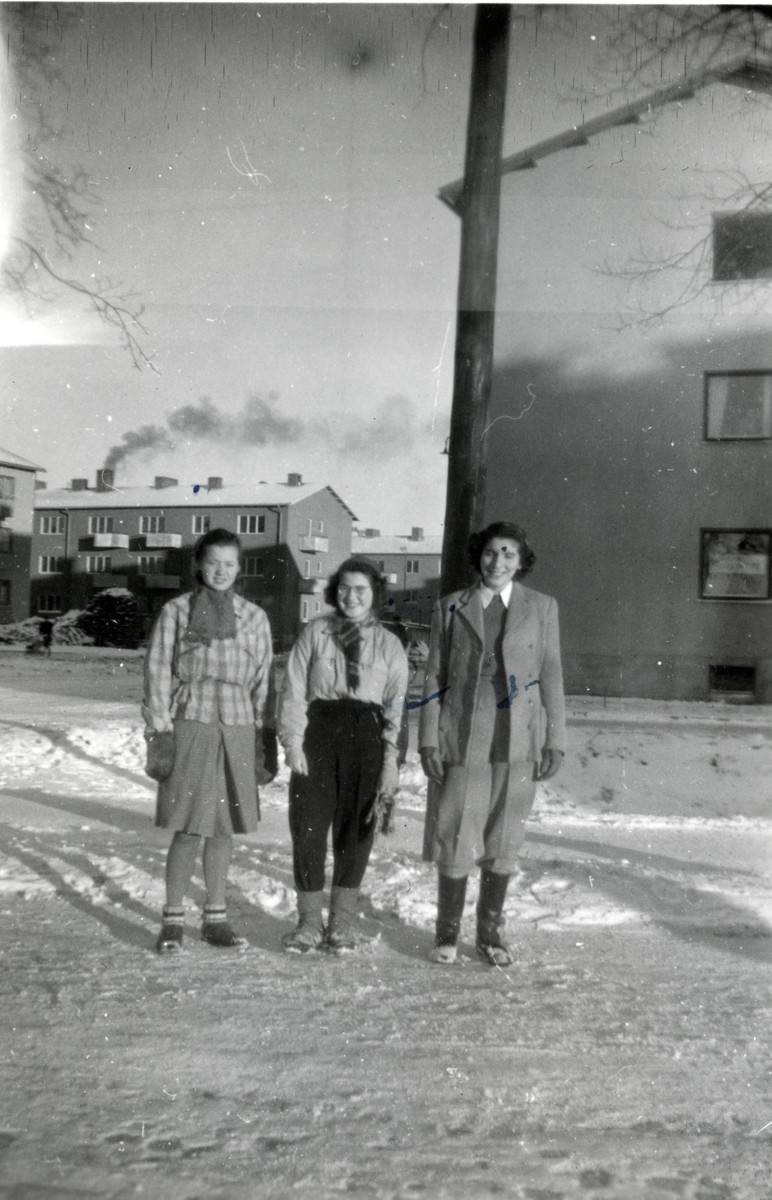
pixel 479 205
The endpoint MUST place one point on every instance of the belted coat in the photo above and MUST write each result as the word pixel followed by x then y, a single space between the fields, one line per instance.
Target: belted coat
pixel 531 653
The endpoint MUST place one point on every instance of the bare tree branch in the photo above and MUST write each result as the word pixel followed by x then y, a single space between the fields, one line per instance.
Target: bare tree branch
pixel 54 218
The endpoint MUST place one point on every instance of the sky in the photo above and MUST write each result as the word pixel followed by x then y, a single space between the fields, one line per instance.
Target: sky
pixel 266 184
pixel 264 181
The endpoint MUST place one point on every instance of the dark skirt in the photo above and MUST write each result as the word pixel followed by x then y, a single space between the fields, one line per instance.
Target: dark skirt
pixel 211 790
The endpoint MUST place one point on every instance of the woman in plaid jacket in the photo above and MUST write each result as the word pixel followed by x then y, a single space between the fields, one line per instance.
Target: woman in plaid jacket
pixel 207 679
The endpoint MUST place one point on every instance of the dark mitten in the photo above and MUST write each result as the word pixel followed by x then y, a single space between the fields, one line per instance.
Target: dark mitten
pixel 160 755
pixel 271 752
pixel 263 773
pixel 384 813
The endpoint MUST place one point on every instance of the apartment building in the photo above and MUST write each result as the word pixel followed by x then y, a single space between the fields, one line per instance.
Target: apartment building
pixel 88 538
pixel 411 563
pixel 18 480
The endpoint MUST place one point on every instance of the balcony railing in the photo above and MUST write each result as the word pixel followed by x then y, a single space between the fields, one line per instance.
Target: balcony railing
pixel 314 544
pixel 111 541
pixel 311 587
pixel 101 580
pixel 162 541
pixel 161 582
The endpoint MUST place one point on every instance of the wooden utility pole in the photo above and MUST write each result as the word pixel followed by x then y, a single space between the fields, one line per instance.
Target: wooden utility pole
pixel 473 364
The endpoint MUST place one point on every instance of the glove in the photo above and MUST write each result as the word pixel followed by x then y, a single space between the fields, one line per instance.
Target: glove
pixel 383 813
pixel 160 755
pixel 433 766
pixel 266 756
pixel 296 760
pixel 388 781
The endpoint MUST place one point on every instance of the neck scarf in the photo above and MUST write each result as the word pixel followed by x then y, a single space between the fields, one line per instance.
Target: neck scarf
pixel 212 616
pixel 348 635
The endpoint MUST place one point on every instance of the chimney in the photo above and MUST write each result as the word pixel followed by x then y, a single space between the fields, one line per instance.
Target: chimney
pixel 104 479
pixel 370 533
pixel 417 534
pixel 294 479
pixel 40 485
pixel 79 485
pixel 164 481
pixel 214 482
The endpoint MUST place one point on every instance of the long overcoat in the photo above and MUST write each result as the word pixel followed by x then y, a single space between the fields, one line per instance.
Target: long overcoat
pixel 531 653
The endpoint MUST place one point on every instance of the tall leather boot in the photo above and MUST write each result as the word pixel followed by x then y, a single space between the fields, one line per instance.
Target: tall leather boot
pixel 451 894
pixel 490 905
pixel 341 932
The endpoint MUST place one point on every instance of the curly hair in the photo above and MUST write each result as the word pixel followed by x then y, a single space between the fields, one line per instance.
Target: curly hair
pixel 502 529
pixel 363 566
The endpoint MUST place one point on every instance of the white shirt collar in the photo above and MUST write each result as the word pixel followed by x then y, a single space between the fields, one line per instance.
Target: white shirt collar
pixel 487 595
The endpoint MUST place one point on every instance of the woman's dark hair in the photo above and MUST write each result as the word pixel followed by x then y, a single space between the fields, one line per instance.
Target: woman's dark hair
pixel 364 566
pixel 215 537
pixel 502 529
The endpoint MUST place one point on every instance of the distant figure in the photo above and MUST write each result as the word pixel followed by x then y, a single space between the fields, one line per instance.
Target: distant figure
pixel 492 724
pixel 339 719
pixel 46 630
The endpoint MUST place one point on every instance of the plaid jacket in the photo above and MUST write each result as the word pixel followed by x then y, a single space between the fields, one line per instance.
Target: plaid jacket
pixel 228 681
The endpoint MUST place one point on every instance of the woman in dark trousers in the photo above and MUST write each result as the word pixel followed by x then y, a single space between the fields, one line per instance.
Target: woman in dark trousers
pixel 492 724
pixel 339 721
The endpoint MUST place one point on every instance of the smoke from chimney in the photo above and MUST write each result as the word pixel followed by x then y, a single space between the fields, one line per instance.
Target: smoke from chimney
pixel 389 432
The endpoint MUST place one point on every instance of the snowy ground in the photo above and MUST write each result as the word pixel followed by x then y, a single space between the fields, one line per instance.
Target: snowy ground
pixel 626 1055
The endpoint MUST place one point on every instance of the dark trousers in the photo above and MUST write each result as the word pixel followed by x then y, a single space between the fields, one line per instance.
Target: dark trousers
pixel 344 752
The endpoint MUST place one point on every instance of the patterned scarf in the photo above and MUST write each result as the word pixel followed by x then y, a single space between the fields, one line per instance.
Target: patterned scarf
pixel 212 615
pixel 348 635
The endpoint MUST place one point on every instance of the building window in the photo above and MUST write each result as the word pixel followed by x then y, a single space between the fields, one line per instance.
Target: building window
pixel 200 524
pixel 49 602
pixel 5 591
pixel 381 565
pixel 317 606
pixel 6 541
pixel 318 566
pixel 7 487
pixel 321 526
pixel 307 568
pixel 304 610
pixel 411 566
pixel 52 524
pixel 252 565
pixel 738 405
pixel 155 524
pixel 251 523
pixel 99 564
pixel 742 245
pixel 50 564
pixel 735 564
pixel 101 524
pixel 151 564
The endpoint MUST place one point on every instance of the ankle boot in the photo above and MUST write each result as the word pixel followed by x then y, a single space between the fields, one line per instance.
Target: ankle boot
pixel 341 932
pixel 490 905
pixel 451 894
pixel 309 931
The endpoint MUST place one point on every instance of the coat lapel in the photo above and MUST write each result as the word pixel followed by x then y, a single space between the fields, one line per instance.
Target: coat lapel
pixel 517 610
pixel 469 608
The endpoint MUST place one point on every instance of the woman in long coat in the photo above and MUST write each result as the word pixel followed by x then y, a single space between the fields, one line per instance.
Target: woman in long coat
pixel 492 725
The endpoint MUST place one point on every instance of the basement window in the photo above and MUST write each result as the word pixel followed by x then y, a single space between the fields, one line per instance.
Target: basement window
pixel 728 682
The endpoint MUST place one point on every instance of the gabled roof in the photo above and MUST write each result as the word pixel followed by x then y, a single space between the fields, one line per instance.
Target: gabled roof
pixel 741 72
pixel 9 459
pixel 244 495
